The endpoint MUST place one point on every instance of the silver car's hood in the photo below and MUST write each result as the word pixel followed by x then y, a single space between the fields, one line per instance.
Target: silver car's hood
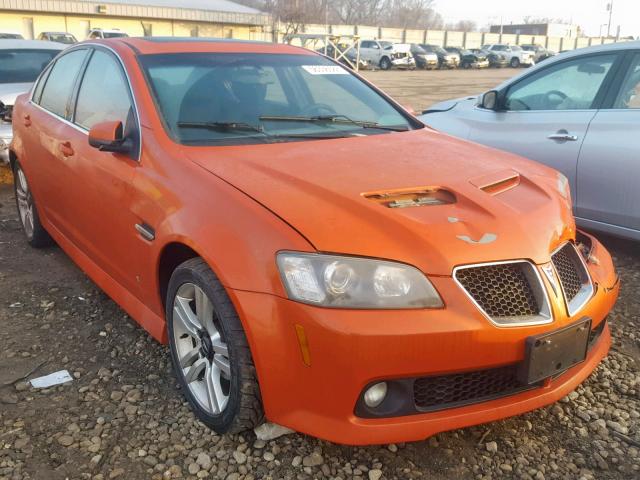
pixel 9 91
pixel 463 102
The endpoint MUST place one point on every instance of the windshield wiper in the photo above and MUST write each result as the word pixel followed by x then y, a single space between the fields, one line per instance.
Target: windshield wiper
pixel 224 126
pixel 341 119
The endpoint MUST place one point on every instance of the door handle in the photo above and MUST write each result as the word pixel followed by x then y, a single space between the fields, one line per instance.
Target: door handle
pixel 27 120
pixel 66 149
pixel 563 136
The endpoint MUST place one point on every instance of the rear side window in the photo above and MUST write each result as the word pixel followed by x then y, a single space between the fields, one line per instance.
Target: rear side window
pixel 37 92
pixel 629 95
pixel 57 90
pixel 104 94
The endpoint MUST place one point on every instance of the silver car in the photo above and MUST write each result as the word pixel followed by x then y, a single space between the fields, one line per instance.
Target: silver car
pixel 21 61
pixel 578 112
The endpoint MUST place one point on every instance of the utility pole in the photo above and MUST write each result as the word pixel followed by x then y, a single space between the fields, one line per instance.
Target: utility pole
pixel 610 8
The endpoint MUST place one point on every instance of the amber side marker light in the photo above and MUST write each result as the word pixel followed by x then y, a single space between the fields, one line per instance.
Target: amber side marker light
pixel 304 345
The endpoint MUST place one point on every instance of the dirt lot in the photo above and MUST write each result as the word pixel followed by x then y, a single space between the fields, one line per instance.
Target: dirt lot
pixel 420 89
pixel 123 417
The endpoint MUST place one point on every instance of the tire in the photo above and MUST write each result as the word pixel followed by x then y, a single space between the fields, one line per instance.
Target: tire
pixel 36 235
pixel 466 65
pixel 385 63
pixel 210 352
pixel 515 62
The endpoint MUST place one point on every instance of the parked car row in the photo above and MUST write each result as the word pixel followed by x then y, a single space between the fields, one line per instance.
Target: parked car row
pixel 65 37
pixel 385 55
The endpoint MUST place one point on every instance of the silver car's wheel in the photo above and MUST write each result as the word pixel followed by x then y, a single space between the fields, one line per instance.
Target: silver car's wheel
pixel 25 202
pixel 201 350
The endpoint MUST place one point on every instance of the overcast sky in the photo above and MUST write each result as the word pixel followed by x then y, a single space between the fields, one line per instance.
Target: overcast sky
pixel 589 14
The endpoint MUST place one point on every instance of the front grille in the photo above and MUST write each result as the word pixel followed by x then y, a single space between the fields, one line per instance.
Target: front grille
pixel 447 391
pixel 574 278
pixel 566 262
pixel 502 290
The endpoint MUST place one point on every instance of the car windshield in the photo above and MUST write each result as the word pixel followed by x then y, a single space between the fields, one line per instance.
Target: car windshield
pixel 515 48
pixel 22 65
pixel 114 34
pixel 386 45
pixel 417 49
pixel 61 38
pixel 214 98
pixel 440 50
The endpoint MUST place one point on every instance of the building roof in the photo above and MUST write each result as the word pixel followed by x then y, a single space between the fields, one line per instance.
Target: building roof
pixel 213 11
pixel 210 5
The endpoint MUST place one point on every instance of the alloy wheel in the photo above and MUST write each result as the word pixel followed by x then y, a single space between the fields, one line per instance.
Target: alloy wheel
pixel 25 202
pixel 202 352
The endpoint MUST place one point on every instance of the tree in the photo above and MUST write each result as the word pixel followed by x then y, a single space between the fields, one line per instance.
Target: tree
pixel 463 26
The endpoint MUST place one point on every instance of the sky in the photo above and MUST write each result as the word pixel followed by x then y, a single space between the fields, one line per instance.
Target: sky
pixel 589 14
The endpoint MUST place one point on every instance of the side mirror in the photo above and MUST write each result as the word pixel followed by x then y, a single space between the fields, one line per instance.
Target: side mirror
pixel 490 100
pixel 109 137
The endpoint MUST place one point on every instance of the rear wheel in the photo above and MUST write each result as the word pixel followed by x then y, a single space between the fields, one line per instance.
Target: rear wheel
pixel 515 62
pixel 385 63
pixel 36 235
pixel 210 352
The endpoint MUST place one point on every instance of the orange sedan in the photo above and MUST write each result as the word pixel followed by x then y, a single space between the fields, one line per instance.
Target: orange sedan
pixel 311 252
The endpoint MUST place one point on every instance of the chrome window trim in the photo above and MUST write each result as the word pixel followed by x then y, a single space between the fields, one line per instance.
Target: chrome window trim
pixel 126 75
pixel 546 313
pixel 587 290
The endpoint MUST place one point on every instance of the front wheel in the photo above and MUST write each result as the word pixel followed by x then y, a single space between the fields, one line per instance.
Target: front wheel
pixel 515 62
pixel 385 63
pixel 210 352
pixel 36 235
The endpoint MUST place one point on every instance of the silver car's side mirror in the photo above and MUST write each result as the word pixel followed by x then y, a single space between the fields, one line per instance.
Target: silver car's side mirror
pixel 490 100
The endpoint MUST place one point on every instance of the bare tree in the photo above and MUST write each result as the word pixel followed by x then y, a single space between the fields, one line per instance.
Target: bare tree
pixel 393 13
pixel 463 26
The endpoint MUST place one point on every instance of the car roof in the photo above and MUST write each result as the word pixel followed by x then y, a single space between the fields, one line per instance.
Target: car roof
pixel 156 45
pixel 30 45
pixel 56 33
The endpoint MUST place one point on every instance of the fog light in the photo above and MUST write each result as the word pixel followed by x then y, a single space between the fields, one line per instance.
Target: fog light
pixel 375 395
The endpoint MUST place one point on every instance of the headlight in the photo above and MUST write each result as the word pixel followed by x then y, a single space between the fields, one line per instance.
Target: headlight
pixel 564 188
pixel 349 282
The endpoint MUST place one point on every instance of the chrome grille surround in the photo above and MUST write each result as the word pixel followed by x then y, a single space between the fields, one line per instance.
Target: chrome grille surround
pixel 524 273
pixel 575 281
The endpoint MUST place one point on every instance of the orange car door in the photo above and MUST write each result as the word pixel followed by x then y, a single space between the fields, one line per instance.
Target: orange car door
pixel 46 126
pixel 102 181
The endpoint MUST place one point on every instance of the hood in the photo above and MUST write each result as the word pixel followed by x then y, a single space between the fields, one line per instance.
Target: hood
pixel 9 91
pixel 418 197
pixel 447 105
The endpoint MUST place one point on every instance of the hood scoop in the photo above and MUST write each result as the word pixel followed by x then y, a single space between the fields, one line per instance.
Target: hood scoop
pixel 498 182
pixel 412 197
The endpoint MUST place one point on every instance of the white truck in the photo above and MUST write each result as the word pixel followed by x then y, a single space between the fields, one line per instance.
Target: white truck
pixel 386 55
pixel 515 54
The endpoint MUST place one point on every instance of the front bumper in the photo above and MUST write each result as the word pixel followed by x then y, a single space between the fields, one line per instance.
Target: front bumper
pixel 403 62
pixel 350 349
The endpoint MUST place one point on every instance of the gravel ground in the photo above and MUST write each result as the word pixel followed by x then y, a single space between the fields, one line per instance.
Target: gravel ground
pixel 123 417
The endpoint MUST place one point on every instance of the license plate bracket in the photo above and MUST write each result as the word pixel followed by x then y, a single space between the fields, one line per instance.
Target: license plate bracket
pixel 554 352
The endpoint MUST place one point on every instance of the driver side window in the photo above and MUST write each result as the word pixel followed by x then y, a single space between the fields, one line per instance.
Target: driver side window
pixel 570 85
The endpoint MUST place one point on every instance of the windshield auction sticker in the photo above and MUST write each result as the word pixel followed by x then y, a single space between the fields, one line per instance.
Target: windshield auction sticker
pixel 325 70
